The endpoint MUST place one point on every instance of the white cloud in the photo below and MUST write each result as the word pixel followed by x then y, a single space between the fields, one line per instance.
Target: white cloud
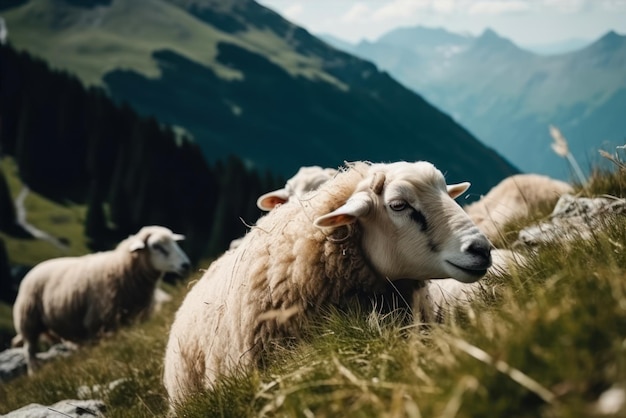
pixel 358 13
pixel 566 6
pixel 444 6
pixel 293 11
pixel 399 9
pixel 498 7
pixel 614 5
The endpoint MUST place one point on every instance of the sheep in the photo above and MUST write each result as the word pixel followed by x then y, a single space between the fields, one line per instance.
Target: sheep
pixel 368 226
pixel 514 198
pixel 447 294
pixel 81 298
pixel 305 180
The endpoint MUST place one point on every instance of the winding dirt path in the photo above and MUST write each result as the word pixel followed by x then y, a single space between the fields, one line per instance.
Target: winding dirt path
pixel 34 231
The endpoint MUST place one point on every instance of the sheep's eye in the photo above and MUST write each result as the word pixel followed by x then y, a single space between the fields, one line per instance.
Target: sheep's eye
pixel 160 249
pixel 397 205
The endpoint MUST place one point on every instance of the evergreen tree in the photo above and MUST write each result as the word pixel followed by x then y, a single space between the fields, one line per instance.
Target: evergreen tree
pixel 7 292
pixel 72 143
pixel 10 99
pixel 95 219
pixel 227 224
pixel 7 209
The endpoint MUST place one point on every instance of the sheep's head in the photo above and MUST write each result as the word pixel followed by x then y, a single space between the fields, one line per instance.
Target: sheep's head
pixel 164 253
pixel 305 180
pixel 411 225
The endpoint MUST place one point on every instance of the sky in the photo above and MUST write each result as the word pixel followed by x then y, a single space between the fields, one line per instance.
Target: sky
pixel 526 22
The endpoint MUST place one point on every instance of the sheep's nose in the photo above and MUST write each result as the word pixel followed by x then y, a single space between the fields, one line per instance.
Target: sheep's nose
pixel 481 249
pixel 185 267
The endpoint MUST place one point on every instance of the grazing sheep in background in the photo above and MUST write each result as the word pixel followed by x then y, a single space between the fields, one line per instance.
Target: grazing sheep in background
pixel 514 198
pixel 80 298
pixel 304 181
pixel 369 225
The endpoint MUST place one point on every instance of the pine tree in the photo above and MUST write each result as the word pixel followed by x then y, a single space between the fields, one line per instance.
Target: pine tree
pixel 7 292
pixel 95 219
pixel 7 209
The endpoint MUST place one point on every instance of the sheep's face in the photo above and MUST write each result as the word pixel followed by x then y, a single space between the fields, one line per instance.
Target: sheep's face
pixel 164 253
pixel 412 227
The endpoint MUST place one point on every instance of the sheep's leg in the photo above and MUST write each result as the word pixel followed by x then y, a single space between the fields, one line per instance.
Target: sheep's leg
pixel 30 330
pixel 30 351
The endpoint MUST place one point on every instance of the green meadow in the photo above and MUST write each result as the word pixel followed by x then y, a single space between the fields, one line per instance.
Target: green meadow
pixel 544 340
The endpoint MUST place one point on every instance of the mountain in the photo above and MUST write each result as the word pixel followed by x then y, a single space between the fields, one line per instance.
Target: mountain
pixel 241 80
pixel 508 96
pixel 335 41
pixel 558 47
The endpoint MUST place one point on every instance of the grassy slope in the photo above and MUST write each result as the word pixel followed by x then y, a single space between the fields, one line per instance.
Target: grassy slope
pixel 58 220
pixel 121 42
pixel 547 346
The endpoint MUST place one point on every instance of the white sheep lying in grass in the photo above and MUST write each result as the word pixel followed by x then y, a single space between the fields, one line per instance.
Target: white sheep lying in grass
pixel 80 298
pixel 370 224
pixel 305 180
pixel 514 198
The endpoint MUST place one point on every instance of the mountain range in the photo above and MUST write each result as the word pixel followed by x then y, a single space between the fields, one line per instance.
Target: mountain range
pixel 242 80
pixel 508 96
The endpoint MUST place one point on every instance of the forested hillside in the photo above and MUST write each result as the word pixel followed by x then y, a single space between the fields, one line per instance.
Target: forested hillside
pixel 240 79
pixel 75 145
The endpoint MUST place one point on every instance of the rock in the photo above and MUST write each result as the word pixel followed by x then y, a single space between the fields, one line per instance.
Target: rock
pixel 572 217
pixel 611 402
pixel 84 391
pixel 13 362
pixel 67 408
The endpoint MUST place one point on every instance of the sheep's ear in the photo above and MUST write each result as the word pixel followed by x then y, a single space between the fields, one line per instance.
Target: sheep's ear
pixel 354 208
pixel 178 237
pixel 456 190
pixel 136 244
pixel 270 200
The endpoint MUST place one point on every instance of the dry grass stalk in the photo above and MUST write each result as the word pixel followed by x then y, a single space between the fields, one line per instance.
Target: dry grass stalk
pixel 503 367
pixel 561 148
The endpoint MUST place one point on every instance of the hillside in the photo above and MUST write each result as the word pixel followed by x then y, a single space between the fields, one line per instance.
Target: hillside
pixel 242 80
pixel 508 96
pixel 548 343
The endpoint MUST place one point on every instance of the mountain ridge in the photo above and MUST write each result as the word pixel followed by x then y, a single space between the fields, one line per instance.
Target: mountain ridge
pixel 242 80
pixel 508 96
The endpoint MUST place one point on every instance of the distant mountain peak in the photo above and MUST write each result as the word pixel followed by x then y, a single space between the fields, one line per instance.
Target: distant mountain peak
pixel 608 43
pixel 612 38
pixel 491 40
pixel 425 35
pixel 490 34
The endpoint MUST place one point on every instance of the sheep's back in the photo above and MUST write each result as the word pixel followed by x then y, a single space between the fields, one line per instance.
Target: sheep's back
pixel 70 289
pixel 514 198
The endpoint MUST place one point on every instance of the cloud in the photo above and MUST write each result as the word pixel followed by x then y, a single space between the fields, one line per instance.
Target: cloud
pixel 614 5
pixel 566 6
pixel 358 13
pixel 399 9
pixel 498 7
pixel 293 11
pixel 444 6
pixel 395 10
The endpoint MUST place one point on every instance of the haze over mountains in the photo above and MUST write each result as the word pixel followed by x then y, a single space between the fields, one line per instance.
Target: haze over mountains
pixel 242 80
pixel 508 96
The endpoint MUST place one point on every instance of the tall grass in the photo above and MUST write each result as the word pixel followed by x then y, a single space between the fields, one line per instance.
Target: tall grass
pixel 546 340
